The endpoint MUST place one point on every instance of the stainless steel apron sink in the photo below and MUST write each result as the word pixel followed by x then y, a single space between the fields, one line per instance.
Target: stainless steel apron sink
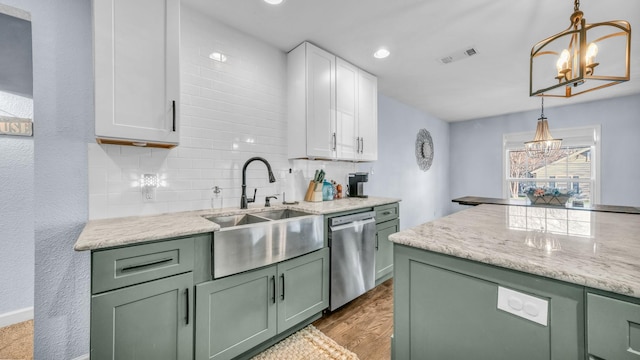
pixel 250 241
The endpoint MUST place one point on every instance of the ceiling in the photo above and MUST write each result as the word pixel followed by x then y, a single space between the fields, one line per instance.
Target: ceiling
pixel 419 32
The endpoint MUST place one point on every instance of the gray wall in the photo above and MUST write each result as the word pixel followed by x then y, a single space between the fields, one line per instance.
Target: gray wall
pixel 425 195
pixel 16 214
pixel 16 167
pixel 476 147
pixel 63 112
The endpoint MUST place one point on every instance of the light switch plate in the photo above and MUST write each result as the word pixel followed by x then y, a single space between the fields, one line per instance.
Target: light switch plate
pixel 523 305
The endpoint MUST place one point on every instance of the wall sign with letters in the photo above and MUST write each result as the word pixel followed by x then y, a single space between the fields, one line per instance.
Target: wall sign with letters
pixel 16 126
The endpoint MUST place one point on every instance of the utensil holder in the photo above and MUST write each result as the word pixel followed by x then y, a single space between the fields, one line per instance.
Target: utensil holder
pixel 309 194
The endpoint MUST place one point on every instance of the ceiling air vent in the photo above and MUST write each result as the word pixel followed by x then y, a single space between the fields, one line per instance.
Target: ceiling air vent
pixel 458 55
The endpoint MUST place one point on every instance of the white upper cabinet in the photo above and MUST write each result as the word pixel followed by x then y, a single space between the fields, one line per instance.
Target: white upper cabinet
pixel 346 110
pixel 367 117
pixel 312 102
pixel 136 67
pixel 332 107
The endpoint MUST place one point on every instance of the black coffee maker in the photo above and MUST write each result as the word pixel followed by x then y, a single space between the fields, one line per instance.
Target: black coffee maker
pixel 356 184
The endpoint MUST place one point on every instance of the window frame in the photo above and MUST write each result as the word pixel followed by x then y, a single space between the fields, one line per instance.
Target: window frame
pixel 584 136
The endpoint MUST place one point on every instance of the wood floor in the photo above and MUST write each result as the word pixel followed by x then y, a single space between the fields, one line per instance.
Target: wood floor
pixel 365 325
pixel 16 341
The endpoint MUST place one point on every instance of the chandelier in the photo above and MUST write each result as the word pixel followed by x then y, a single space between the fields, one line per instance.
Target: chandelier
pixel 582 58
pixel 543 144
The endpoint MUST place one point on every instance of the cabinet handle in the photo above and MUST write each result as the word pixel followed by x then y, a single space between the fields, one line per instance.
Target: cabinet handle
pixel 376 242
pixel 386 213
pixel 335 142
pixel 357 145
pixel 187 294
pixel 273 287
pixel 150 263
pixel 173 109
pixel 282 280
pixel 362 145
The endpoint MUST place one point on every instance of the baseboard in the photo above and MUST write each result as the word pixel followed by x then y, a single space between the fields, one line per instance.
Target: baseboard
pixel 82 357
pixel 15 317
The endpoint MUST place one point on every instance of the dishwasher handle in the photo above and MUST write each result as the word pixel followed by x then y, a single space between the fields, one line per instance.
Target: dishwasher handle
pixel 352 224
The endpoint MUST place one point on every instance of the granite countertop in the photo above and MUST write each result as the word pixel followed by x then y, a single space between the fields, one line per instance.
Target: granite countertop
pixel 105 233
pixel 477 200
pixel 594 249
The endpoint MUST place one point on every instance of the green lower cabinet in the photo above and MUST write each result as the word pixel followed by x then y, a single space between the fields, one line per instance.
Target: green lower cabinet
pixel 235 313
pixel 384 247
pixel 447 308
pixel 239 312
pixel 613 328
pixel 146 321
pixel 304 288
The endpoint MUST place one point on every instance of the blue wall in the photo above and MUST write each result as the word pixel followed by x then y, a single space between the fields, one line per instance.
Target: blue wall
pixel 63 112
pixel 476 147
pixel 16 214
pixel 425 195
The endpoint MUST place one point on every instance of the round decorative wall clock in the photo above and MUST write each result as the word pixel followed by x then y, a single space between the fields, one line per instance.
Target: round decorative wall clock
pixel 424 149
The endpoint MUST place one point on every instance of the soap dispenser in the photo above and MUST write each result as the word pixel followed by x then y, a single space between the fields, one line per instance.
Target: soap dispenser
pixel 216 197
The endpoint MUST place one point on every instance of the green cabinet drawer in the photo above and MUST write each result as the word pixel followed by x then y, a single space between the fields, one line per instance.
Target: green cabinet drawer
pixel 613 328
pixel 386 212
pixel 116 268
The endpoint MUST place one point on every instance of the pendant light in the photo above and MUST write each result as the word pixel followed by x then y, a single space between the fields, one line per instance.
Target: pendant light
pixel 543 144
pixel 582 58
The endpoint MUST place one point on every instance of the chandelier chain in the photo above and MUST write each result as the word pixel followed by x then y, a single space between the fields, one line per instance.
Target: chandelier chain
pixel 576 5
pixel 542 112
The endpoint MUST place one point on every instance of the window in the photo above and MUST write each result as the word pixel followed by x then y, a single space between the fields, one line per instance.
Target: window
pixel 573 167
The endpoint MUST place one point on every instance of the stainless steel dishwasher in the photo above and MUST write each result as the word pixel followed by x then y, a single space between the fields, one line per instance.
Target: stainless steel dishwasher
pixel 352 242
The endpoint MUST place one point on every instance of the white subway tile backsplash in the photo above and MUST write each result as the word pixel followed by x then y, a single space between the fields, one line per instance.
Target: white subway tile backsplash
pixel 229 113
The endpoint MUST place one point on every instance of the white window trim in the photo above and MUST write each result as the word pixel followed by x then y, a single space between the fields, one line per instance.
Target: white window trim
pixel 584 135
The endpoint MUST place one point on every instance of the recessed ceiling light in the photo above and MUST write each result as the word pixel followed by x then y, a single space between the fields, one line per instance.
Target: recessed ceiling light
pixel 274 2
pixel 381 53
pixel 218 56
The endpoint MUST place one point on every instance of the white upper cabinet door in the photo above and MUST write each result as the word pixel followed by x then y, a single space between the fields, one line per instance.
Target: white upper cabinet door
pixel 136 58
pixel 311 92
pixel 367 117
pixel 321 103
pixel 347 110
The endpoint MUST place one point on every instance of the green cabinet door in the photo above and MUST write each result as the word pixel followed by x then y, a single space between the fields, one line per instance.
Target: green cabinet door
pixel 303 285
pixel 384 247
pixel 235 313
pixel 446 308
pixel 613 328
pixel 146 321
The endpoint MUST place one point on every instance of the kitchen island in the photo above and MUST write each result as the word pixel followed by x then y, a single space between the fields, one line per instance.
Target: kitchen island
pixel 506 282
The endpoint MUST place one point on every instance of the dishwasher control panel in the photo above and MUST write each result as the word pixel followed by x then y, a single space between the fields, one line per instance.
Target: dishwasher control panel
pixel 523 305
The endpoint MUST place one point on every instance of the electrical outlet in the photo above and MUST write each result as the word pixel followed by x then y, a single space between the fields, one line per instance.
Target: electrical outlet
pixel 149 183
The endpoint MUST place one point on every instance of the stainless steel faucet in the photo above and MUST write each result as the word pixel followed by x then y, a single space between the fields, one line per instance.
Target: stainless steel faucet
pixel 243 199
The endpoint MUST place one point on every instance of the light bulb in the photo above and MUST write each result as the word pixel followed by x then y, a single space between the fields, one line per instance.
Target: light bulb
pixel 563 61
pixel 592 51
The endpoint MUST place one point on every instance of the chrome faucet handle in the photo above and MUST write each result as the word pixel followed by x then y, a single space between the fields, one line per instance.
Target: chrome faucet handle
pixel 267 203
pixel 253 199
